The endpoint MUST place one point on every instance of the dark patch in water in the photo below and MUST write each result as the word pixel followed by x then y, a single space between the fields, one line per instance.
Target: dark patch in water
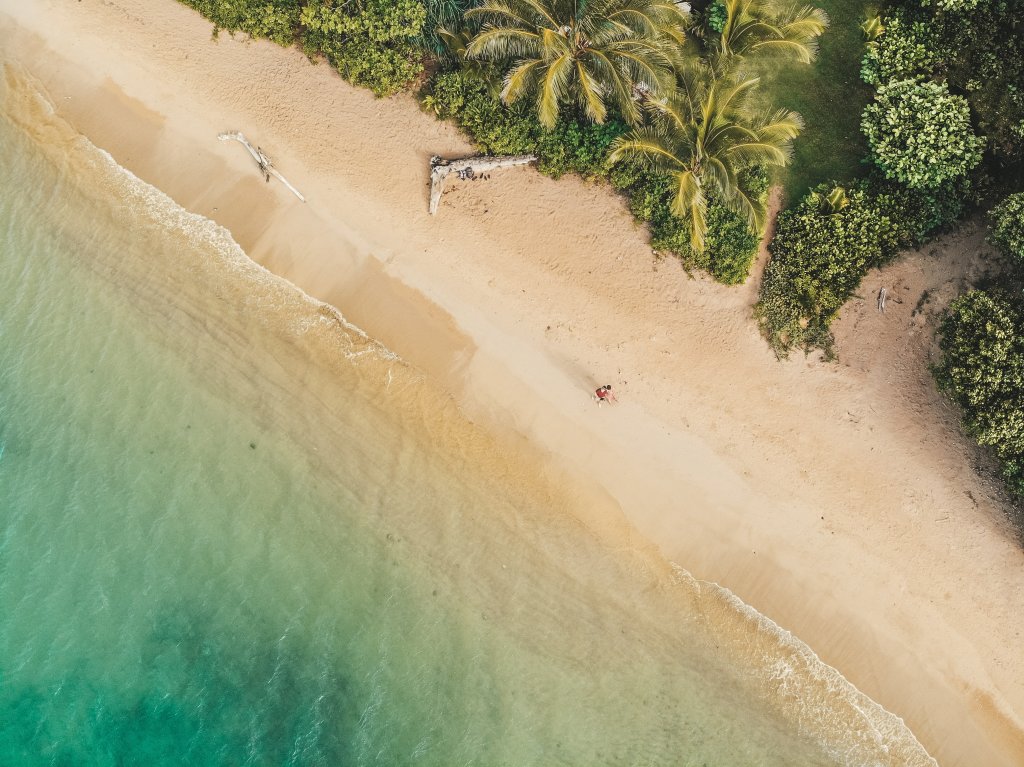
pixel 205 697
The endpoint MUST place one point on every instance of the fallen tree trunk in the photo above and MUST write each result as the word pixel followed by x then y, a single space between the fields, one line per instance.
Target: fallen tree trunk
pixel 266 166
pixel 467 168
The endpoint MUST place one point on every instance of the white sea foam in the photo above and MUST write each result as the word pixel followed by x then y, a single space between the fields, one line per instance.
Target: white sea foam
pixel 823 705
pixel 851 727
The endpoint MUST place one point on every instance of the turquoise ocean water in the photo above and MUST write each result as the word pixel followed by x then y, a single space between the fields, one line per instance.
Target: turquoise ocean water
pixel 235 531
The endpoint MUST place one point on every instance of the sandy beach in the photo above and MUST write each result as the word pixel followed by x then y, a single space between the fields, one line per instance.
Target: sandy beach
pixel 839 499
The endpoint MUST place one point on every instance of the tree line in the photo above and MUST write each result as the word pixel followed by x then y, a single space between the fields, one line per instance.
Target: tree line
pixel 663 100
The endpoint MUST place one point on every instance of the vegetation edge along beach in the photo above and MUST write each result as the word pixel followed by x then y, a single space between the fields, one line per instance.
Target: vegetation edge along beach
pixel 906 504
pixel 679 107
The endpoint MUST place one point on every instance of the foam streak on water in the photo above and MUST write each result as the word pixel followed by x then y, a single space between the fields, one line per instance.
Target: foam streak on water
pixel 235 530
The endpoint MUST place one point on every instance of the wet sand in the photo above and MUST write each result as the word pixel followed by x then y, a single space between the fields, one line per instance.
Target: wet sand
pixel 839 500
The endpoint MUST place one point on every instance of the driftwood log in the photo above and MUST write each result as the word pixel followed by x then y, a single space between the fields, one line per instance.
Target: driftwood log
pixel 467 168
pixel 265 165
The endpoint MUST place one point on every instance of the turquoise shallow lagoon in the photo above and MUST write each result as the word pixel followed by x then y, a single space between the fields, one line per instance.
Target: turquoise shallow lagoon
pixel 235 531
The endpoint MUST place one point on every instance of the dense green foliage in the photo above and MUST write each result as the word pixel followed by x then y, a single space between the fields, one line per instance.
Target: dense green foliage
pixel 371 42
pixel 276 20
pixel 702 137
pixel 819 254
pixel 906 49
pixel 954 5
pixel 593 55
pixel 920 134
pixel 818 259
pixel 731 244
pixel 573 145
pixel 982 369
pixel 716 16
pixel 763 27
pixel 1008 227
pixel 980 55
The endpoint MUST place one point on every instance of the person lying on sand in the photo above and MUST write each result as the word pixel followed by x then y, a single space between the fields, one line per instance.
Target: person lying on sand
pixel 604 394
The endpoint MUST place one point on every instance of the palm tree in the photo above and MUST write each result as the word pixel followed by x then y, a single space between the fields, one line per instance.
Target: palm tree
pixel 702 136
pixel 595 53
pixel 759 26
pixel 455 45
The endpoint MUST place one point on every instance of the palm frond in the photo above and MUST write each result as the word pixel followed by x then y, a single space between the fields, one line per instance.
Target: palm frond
pixel 552 90
pixel 647 145
pixel 503 43
pixel 689 200
pixel 590 96
pixel 521 80
pixel 758 153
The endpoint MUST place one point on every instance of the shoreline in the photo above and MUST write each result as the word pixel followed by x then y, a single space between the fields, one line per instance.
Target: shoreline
pixel 840 548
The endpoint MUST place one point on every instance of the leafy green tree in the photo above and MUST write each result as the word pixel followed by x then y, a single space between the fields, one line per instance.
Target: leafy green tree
pixel 702 136
pixel 761 27
pixel 920 134
pixel 906 49
pixel 731 245
pixel 1008 227
pixel 982 340
pixel 465 96
pixel 371 42
pixel 824 245
pixel 818 256
pixel 595 54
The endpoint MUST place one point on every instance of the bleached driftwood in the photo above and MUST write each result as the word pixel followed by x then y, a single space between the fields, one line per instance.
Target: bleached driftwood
pixel 467 168
pixel 266 166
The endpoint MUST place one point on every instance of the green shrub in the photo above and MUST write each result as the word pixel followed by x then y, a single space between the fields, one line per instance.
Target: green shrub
pixel 497 129
pixel 276 20
pixel 917 213
pixel 982 369
pixel 919 134
pixel 908 49
pixel 576 145
pixel 369 41
pixel 649 193
pixel 1008 227
pixel 817 260
pixel 730 247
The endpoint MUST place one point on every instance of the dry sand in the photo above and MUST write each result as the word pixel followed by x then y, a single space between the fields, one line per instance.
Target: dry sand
pixel 838 499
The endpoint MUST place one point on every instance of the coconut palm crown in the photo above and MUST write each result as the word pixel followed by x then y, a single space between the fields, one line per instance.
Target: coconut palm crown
pixel 702 136
pixel 594 53
pixel 760 26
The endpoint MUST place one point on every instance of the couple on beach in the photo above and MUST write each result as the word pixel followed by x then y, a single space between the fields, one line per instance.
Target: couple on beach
pixel 604 394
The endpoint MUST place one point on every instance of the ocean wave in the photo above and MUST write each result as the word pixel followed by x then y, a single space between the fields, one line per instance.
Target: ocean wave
pixel 820 703
pixel 816 698
pixel 27 104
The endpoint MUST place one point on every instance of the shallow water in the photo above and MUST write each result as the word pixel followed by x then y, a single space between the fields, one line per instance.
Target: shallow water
pixel 234 530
